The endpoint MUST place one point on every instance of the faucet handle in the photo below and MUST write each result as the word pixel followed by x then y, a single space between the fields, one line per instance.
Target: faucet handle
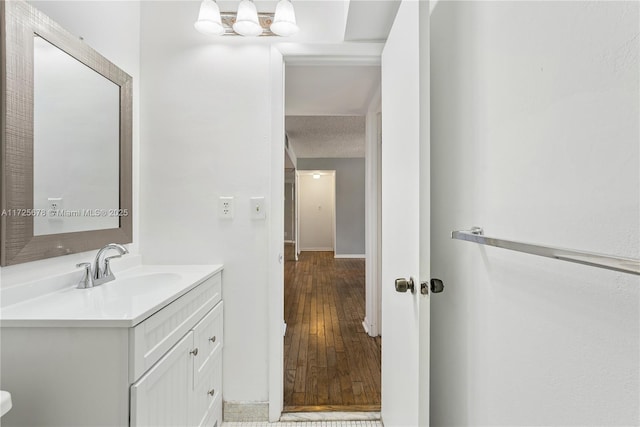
pixel 107 266
pixel 87 278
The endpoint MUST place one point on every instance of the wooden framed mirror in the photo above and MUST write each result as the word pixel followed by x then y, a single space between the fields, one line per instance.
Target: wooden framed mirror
pixel 66 141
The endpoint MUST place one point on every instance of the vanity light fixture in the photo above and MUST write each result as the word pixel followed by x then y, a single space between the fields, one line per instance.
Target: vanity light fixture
pixel 284 21
pixel 247 21
pixel 209 21
pixel 316 176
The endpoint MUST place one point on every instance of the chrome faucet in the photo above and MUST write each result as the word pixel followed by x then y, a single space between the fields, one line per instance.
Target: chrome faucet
pixel 104 275
pixel 100 275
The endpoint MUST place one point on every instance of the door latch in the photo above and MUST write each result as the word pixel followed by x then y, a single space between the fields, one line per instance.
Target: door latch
pixel 436 286
pixel 424 288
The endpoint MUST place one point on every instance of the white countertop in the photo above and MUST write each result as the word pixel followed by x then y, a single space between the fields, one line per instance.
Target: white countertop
pixel 136 294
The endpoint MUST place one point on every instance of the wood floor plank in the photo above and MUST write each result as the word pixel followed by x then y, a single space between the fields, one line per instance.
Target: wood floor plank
pixel 289 381
pixel 330 362
pixel 346 382
pixel 332 408
pixel 335 394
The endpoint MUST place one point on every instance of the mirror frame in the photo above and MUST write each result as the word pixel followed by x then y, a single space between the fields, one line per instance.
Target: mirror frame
pixel 18 244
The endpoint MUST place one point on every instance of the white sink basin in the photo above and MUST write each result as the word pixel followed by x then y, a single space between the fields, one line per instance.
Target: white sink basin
pixel 141 284
pixel 5 402
pixel 133 296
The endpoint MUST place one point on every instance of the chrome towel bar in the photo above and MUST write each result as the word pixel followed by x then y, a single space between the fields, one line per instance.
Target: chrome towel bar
pixel 624 265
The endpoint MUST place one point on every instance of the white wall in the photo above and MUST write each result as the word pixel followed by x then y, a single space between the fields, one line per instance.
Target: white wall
pixel 316 198
pixel 535 138
pixel 113 29
pixel 206 121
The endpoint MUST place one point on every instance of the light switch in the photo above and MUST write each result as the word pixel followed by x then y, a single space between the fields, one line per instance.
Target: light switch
pixel 258 208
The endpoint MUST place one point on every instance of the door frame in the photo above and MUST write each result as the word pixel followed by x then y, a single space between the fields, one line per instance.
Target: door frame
pixel 299 54
pixel 296 212
pixel 373 198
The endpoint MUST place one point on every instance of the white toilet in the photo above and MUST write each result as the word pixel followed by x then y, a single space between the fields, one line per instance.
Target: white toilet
pixel 5 402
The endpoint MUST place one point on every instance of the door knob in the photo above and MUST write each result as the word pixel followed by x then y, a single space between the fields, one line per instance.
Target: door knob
pixel 403 284
pixel 437 286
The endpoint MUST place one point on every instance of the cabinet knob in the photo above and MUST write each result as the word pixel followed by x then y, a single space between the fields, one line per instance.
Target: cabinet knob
pixel 212 339
pixel 211 392
pixel 194 352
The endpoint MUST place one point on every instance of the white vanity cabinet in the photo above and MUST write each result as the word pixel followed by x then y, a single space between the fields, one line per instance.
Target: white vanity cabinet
pixel 160 369
pixel 186 383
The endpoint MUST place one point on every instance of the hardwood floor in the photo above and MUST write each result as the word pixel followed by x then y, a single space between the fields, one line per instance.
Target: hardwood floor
pixel 330 363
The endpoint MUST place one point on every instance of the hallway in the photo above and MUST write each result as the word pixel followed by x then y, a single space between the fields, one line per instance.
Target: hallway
pixel 330 362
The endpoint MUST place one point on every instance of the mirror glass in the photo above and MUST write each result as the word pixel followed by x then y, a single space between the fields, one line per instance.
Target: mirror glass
pixel 76 139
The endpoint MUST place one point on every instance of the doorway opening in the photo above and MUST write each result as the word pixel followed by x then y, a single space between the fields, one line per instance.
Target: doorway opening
pixel 316 210
pixel 332 345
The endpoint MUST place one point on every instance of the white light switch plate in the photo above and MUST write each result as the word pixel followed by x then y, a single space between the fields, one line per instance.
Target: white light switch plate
pixel 258 209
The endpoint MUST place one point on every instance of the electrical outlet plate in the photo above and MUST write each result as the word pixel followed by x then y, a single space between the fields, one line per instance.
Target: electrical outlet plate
pixel 225 207
pixel 54 203
pixel 258 210
pixel 54 208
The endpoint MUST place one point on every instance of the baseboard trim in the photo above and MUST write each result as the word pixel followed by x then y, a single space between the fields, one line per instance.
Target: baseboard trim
pixel 289 242
pixel 245 411
pixel 354 256
pixel 365 326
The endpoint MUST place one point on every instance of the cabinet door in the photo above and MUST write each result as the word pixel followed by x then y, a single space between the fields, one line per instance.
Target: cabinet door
pixel 207 374
pixel 207 338
pixel 206 406
pixel 161 396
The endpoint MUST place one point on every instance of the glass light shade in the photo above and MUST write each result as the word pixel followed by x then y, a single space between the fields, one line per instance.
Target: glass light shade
pixel 247 23
pixel 209 21
pixel 284 21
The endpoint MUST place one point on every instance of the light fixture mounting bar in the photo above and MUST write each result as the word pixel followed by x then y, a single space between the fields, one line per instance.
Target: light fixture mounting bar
pixel 229 18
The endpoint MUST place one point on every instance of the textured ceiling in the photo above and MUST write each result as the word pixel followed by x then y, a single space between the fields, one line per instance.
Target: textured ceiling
pixel 326 136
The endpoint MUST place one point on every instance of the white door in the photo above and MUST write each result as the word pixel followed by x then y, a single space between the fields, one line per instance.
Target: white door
pixel 405 218
pixel 161 396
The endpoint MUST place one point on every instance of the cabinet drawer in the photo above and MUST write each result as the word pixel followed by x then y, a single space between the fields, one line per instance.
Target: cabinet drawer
pixel 208 338
pixel 153 337
pixel 207 394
